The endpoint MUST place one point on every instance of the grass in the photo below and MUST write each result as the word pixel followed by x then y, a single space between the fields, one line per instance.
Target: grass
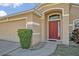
pixel 63 50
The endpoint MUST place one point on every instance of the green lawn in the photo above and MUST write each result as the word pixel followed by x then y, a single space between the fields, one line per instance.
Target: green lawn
pixel 63 50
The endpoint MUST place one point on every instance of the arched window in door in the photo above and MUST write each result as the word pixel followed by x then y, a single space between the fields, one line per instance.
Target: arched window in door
pixel 54 17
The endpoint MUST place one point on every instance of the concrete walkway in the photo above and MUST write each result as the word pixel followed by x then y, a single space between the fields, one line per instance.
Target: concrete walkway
pixel 7 46
pixel 48 49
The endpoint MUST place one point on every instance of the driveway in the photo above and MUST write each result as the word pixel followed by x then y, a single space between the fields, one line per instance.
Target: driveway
pixel 7 46
pixel 46 50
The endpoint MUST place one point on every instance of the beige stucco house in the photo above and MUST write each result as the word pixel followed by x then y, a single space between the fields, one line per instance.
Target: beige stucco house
pixel 49 21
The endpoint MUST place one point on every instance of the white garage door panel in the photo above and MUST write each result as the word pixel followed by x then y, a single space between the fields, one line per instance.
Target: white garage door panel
pixel 8 30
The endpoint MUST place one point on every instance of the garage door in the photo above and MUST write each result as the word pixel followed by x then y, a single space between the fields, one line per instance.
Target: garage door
pixel 8 30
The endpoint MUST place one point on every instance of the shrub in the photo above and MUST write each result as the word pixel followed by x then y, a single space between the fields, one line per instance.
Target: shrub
pixel 25 36
pixel 75 35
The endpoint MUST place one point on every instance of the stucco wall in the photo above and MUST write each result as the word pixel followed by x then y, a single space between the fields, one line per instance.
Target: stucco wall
pixel 74 14
pixel 65 6
pixel 36 27
pixel 64 20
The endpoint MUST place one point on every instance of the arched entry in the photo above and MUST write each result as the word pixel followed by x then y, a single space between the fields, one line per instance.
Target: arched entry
pixel 64 21
pixel 53 18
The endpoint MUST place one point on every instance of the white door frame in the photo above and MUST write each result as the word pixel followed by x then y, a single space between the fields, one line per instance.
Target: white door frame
pixel 52 20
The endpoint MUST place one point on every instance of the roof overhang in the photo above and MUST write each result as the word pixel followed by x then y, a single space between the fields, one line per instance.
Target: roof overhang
pixel 28 11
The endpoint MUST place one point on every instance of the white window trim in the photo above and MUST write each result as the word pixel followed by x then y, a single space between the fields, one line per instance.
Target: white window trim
pixel 53 14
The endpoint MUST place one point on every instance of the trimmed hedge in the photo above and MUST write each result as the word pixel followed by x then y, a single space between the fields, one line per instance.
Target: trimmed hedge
pixel 25 36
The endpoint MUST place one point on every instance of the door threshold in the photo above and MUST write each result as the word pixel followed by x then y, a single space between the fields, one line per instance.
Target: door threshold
pixel 52 40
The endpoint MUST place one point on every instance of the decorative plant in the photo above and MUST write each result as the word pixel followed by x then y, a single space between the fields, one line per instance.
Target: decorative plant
pixel 25 36
pixel 75 35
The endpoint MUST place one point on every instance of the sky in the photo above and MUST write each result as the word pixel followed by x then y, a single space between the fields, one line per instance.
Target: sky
pixel 12 8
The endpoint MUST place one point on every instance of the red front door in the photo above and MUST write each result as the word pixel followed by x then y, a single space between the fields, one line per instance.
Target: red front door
pixel 53 30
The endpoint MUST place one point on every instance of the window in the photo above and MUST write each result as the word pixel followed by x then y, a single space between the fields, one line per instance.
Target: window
pixel 76 24
pixel 56 16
